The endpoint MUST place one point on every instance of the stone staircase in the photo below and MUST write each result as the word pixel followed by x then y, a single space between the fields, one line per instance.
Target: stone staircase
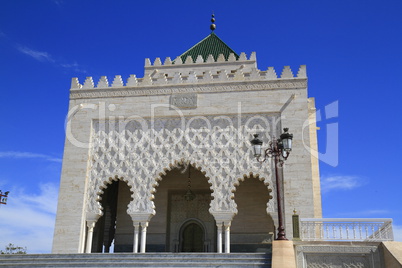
pixel 138 260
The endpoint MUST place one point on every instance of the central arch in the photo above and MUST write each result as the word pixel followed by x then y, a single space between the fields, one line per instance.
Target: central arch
pixel 177 216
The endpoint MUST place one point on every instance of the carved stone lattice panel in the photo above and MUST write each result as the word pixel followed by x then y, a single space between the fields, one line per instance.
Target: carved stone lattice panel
pixel 141 150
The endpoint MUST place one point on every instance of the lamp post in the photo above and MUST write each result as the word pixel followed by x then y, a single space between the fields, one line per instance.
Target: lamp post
pixel 279 150
pixel 3 197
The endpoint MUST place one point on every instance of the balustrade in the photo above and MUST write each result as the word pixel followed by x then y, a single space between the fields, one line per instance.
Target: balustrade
pixel 346 230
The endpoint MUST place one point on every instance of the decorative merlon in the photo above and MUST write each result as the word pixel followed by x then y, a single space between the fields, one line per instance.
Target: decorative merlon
pixel 210 59
pixel 220 58
pixel 242 57
pixel 199 59
pixel 157 62
pixel 168 61
pixel 158 77
pixel 302 71
pixel 189 60
pixel 89 83
pixel 253 56
pixel 287 72
pixel 117 82
pixel 132 81
pixel 147 62
pixel 103 83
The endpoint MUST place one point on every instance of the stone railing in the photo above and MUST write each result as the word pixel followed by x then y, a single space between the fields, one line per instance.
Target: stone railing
pixel 346 230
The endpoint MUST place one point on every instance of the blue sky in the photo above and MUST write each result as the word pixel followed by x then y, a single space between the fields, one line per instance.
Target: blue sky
pixel 352 50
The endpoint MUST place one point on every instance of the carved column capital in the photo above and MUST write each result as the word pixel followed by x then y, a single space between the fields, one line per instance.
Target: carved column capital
pixel 227 224
pixel 92 218
pixel 141 217
pixel 223 216
pixel 91 224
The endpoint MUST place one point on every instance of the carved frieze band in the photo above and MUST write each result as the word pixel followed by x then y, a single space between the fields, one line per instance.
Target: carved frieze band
pixel 177 89
pixel 336 249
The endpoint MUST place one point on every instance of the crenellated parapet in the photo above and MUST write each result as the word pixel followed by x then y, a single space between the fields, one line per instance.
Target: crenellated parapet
pixel 200 60
pixel 212 75
pixel 159 78
pixel 189 78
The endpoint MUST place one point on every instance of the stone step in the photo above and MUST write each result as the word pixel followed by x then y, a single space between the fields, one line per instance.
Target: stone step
pixel 138 260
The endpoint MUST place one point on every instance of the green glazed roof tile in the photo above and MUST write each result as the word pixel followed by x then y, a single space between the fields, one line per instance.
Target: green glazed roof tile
pixel 211 44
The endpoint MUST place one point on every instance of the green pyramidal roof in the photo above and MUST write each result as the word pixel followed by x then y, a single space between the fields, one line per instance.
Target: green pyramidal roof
pixel 211 44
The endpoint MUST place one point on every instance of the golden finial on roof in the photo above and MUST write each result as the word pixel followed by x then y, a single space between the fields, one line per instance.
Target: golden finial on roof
pixel 213 26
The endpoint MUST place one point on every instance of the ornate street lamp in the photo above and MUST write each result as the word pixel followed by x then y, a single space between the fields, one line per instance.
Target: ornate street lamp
pixel 3 197
pixel 279 150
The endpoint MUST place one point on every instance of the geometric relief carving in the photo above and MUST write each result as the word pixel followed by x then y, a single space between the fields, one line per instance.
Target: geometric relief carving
pixel 332 261
pixel 141 150
pixel 323 256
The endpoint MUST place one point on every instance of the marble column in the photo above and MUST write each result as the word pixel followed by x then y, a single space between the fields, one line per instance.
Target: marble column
pixel 136 233
pixel 227 236
pixel 219 237
pixel 140 219
pixel 144 226
pixel 91 226
pixel 223 219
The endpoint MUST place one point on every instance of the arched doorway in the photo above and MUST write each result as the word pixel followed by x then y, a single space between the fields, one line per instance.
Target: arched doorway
pixel 113 231
pixel 252 228
pixel 175 213
pixel 192 236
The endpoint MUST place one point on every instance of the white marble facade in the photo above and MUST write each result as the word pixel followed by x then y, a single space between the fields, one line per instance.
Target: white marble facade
pixel 203 114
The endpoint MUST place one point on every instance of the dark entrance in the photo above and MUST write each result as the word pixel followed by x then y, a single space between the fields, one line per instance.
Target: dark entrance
pixel 105 227
pixel 115 225
pixel 192 238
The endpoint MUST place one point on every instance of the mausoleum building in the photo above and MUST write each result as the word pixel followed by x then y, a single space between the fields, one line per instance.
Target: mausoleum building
pixel 163 163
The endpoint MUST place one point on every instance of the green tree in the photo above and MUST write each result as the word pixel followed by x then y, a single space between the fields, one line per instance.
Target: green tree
pixel 12 249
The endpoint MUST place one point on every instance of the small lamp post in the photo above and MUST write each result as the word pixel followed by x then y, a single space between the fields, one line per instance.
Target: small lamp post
pixel 279 150
pixel 3 197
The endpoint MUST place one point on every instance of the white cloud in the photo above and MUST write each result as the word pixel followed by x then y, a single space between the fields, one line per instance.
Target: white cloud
pixel 58 2
pixel 28 219
pixel 18 155
pixel 75 66
pixel 37 55
pixel 46 57
pixel 332 183
pixel 44 201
